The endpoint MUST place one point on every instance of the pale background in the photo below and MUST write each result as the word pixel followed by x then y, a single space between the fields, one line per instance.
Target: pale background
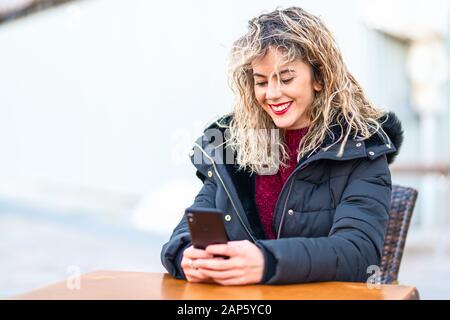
pixel 101 100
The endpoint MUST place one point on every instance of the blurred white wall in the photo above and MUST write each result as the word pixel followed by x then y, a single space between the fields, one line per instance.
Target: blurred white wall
pixel 100 101
pixel 110 94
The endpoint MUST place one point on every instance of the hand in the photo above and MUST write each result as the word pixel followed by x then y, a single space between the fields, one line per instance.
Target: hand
pixel 189 256
pixel 245 265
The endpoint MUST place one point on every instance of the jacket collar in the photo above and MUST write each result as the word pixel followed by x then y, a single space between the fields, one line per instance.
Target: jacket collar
pixel 387 141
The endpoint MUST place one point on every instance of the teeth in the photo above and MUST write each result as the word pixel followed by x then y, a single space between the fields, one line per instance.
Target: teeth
pixel 282 107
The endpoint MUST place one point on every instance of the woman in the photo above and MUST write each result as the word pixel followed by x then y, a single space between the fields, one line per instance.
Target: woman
pixel 307 191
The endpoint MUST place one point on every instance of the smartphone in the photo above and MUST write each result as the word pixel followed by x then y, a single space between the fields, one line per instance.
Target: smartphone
pixel 206 226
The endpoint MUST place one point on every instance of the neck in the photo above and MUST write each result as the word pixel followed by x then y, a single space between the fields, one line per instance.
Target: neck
pixel 300 126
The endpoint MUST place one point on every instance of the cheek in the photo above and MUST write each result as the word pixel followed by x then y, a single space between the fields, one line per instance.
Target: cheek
pixel 301 92
pixel 259 95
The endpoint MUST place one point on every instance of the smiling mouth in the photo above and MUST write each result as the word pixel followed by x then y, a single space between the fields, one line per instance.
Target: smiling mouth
pixel 280 108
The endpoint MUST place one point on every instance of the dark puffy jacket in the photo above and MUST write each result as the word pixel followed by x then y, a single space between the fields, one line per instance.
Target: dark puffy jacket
pixel 330 217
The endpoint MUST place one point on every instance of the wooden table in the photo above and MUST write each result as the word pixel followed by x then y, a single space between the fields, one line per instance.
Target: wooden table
pixel 157 286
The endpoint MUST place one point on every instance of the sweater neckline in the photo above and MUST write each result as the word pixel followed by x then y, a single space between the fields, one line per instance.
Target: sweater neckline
pixel 294 136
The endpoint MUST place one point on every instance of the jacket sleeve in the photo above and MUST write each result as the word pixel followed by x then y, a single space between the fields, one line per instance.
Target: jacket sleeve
pixel 355 240
pixel 172 251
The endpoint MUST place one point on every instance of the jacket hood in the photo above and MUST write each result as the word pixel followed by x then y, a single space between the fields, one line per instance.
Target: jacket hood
pixel 388 140
pixel 392 126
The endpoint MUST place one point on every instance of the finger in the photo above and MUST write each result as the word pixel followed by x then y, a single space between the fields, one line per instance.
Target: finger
pixel 238 281
pixel 221 275
pixel 195 275
pixel 185 263
pixel 191 273
pixel 194 253
pixel 217 264
pixel 223 249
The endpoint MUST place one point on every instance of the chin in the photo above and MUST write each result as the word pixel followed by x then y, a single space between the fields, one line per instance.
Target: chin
pixel 282 124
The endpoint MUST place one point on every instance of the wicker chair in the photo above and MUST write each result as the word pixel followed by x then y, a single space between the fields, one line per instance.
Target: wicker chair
pixel 403 200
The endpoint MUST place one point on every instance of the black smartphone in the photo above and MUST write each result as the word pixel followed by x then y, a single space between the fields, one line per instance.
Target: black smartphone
pixel 206 226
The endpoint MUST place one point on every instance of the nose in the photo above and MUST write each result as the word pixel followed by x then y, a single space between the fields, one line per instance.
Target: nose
pixel 273 92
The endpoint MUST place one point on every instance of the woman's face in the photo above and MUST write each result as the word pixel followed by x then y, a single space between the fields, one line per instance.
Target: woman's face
pixel 286 101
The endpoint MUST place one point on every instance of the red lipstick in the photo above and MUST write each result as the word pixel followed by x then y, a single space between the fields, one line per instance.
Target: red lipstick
pixel 282 110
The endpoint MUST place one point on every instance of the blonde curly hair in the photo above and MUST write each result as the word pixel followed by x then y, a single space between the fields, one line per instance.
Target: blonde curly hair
pixel 341 101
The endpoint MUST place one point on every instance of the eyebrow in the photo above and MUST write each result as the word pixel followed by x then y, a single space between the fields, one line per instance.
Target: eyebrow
pixel 281 72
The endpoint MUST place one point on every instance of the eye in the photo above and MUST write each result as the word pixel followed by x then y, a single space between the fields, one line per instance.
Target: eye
pixel 260 84
pixel 286 81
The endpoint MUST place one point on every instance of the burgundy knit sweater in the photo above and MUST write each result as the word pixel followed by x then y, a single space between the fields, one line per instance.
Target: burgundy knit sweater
pixel 268 187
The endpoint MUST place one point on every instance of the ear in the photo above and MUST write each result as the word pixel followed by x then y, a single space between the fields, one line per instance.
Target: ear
pixel 317 86
pixel 317 81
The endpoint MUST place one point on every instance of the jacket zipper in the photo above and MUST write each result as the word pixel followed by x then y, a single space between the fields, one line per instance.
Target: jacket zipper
pixel 305 164
pixel 228 193
pixel 287 198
